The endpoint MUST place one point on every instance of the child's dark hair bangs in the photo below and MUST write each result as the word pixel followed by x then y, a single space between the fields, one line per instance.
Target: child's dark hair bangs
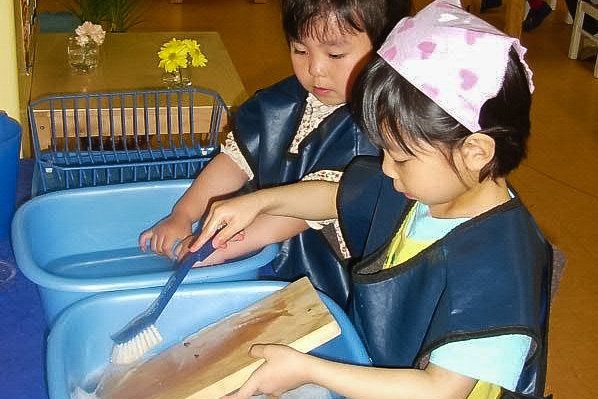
pixel 309 18
pixel 390 110
pixel 373 105
pixel 303 19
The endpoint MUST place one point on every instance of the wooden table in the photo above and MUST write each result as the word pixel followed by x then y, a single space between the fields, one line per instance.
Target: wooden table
pixel 181 1
pixel 129 61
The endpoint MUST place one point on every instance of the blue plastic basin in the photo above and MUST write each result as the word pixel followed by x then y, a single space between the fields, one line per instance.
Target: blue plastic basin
pixel 79 344
pixel 79 242
pixel 10 146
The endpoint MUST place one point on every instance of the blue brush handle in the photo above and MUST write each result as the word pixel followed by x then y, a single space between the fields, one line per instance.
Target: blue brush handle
pixel 182 268
pixel 151 314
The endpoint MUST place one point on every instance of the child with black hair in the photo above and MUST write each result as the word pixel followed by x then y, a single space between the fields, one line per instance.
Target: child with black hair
pixel 451 290
pixel 299 129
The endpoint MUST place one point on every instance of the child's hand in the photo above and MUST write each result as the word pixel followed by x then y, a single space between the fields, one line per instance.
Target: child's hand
pixel 283 369
pixel 220 255
pixel 164 235
pixel 231 217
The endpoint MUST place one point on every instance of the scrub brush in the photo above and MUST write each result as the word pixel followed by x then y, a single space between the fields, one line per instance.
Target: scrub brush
pixel 141 334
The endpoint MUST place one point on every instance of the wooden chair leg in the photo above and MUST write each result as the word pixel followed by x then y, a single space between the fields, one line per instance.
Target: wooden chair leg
pixel 514 10
pixel 576 31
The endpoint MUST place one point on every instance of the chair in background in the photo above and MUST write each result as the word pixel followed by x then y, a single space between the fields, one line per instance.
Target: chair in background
pixel 514 13
pixel 583 8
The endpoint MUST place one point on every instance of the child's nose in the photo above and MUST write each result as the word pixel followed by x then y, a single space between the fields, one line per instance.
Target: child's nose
pixel 387 167
pixel 316 66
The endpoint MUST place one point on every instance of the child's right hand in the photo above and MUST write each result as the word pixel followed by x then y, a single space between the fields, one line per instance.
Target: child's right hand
pixel 164 235
pixel 283 369
pixel 227 219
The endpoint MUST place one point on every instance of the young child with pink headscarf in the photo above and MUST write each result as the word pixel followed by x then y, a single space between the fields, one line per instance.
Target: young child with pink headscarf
pixel 450 290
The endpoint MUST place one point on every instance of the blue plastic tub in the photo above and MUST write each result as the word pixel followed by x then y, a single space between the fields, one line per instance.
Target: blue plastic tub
pixel 79 344
pixel 10 146
pixel 78 242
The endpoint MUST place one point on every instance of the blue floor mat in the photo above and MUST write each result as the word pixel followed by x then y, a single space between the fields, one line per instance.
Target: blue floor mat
pixel 23 326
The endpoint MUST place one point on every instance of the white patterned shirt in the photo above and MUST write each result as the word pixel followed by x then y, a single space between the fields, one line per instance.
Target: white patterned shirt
pixel 315 112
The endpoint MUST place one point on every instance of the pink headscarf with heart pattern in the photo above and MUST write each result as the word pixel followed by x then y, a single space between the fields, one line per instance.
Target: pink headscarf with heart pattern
pixel 453 57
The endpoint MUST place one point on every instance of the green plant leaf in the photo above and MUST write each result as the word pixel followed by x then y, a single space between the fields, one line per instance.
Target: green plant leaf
pixel 94 11
pixel 114 15
pixel 125 13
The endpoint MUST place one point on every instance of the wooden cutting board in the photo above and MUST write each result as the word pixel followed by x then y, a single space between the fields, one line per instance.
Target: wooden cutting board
pixel 215 361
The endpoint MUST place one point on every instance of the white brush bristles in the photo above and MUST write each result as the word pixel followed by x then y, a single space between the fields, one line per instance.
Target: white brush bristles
pixel 132 350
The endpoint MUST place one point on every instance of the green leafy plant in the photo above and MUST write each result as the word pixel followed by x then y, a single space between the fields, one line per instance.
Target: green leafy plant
pixel 123 14
pixel 93 11
pixel 113 15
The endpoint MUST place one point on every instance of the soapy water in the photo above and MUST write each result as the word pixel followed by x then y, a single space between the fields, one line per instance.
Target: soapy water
pixel 88 388
pixel 80 393
pixel 92 386
pixel 307 391
pixel 8 271
pixel 114 263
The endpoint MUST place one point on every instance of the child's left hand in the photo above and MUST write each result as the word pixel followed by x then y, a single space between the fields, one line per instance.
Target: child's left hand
pixel 283 369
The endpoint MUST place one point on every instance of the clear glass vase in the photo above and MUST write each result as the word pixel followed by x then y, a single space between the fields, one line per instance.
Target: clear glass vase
pixel 82 58
pixel 179 78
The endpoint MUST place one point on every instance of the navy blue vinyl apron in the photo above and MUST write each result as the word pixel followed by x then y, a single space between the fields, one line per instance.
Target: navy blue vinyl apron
pixel 265 126
pixel 489 276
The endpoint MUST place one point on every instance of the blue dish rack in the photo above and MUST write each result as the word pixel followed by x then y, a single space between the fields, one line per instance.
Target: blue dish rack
pixel 96 139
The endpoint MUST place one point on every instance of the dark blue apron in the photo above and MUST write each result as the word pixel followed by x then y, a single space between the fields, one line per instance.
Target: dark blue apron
pixel 489 276
pixel 265 126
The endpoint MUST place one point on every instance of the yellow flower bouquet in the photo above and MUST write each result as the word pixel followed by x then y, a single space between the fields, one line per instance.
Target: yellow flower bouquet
pixel 176 56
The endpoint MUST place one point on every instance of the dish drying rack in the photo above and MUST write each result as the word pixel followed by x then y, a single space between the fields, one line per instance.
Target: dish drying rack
pixel 95 139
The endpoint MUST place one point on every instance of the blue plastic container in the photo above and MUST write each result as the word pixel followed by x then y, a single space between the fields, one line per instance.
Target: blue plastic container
pixel 79 344
pixel 10 146
pixel 78 242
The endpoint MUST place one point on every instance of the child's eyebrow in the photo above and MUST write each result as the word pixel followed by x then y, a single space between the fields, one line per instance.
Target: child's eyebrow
pixel 339 41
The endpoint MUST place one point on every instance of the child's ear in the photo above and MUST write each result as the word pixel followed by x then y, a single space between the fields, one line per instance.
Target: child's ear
pixel 477 151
